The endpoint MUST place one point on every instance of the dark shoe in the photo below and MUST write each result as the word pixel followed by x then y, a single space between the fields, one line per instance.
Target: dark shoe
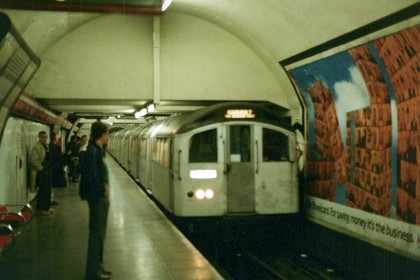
pixel 106 272
pixel 54 202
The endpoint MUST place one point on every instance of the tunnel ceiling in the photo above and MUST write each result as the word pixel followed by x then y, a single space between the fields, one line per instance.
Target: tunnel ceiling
pixel 98 57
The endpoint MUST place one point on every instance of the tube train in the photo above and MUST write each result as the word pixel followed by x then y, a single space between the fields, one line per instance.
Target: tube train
pixel 226 159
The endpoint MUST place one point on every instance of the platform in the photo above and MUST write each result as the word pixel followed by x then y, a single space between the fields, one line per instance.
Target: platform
pixel 141 243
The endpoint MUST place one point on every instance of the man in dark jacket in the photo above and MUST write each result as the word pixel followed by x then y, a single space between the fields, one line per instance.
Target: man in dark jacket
pixel 73 147
pixel 94 188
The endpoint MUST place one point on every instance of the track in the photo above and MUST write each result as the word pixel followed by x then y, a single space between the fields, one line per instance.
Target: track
pixel 276 247
pixel 266 249
pixel 263 248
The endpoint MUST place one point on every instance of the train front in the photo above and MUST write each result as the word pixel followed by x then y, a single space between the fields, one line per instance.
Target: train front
pixel 234 159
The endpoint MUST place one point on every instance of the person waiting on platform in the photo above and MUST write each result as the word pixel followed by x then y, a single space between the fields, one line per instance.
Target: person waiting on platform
pixel 41 174
pixel 57 172
pixel 67 161
pixel 94 187
pixel 74 146
pixel 83 143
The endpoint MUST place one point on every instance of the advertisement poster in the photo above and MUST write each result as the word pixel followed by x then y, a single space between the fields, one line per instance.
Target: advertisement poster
pixel 363 167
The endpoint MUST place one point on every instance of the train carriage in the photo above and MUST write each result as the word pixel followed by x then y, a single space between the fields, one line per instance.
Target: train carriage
pixel 227 159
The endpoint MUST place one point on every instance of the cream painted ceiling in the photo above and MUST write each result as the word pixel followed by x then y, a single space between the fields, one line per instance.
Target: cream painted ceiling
pixel 205 51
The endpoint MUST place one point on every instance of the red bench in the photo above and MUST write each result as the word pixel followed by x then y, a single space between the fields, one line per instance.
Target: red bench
pixel 7 236
pixel 15 214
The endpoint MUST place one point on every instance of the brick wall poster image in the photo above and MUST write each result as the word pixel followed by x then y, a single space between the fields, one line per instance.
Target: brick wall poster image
pixel 363 127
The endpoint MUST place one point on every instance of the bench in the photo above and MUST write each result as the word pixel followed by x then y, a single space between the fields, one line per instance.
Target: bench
pixel 15 215
pixel 7 236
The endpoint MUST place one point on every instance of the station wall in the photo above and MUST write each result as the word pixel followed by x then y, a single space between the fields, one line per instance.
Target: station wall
pixel 363 167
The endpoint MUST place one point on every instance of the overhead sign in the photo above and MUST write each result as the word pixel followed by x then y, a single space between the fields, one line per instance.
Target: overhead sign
pixel 240 114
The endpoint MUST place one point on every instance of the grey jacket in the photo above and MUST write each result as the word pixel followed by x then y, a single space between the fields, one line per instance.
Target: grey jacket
pixel 36 160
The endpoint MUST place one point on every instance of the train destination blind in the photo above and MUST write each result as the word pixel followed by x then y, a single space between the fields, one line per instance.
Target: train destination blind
pixel 240 114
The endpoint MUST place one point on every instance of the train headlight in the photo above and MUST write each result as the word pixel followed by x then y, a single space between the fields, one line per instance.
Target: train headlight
pixel 200 194
pixel 209 194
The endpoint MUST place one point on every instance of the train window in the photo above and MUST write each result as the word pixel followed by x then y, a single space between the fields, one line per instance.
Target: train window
pixel 161 148
pixel 203 146
pixel 240 139
pixel 166 152
pixel 275 145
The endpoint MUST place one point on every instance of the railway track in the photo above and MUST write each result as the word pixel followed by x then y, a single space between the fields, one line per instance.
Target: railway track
pixel 287 268
pixel 247 250
pixel 255 252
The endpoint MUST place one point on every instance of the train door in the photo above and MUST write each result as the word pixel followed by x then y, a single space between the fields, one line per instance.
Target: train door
pixel 126 150
pixel 276 172
pixel 17 146
pixel 132 163
pixel 239 169
pixel 170 151
pixel 151 152
pixel 144 163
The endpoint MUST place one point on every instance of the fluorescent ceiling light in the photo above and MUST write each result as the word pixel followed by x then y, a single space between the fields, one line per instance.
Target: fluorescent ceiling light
pixel 166 5
pixel 151 108
pixel 143 112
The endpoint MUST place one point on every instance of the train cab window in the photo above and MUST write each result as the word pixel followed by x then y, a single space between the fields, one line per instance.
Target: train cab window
pixel 240 143
pixel 275 145
pixel 203 146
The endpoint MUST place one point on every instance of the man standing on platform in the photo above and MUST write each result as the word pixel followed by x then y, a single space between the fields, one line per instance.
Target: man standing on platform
pixel 94 187
pixel 41 174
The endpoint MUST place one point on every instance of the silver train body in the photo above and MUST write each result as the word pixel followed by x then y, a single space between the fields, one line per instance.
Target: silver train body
pixel 226 159
pixel 16 144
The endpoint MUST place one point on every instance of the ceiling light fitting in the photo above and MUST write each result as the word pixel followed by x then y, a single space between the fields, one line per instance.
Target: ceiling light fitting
pixel 166 4
pixel 144 111
pixel 151 108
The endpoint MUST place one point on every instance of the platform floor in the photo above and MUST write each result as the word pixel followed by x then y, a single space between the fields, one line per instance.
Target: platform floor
pixel 140 243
